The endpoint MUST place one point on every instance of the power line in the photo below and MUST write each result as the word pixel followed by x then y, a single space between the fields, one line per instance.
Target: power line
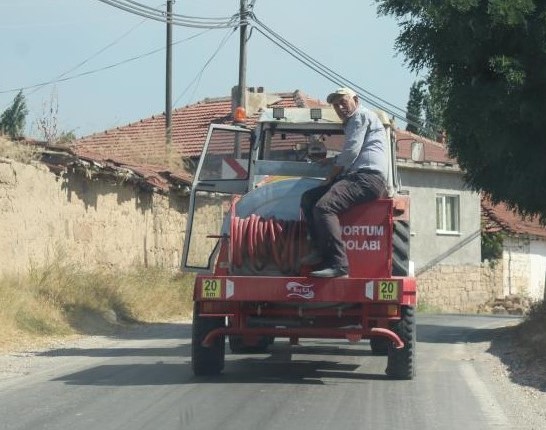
pixel 143 6
pixel 200 73
pixel 180 20
pixel 90 72
pixel 96 54
pixel 324 70
pixel 331 75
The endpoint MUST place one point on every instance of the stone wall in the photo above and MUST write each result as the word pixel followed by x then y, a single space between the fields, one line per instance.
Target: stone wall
pixel 92 222
pixel 459 289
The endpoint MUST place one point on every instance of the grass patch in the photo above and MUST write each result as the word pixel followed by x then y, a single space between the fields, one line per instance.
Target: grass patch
pixel 21 152
pixel 61 299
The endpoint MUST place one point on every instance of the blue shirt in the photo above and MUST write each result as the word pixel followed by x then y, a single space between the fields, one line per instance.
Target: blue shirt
pixel 365 145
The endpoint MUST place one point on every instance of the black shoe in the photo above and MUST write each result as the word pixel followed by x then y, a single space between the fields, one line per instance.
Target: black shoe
pixel 330 272
pixel 312 258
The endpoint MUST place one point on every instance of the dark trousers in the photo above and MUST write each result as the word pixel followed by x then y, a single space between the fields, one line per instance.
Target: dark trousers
pixel 322 205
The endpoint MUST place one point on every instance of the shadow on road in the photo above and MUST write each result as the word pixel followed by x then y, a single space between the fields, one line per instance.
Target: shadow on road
pixel 523 368
pixel 247 371
pixel 283 364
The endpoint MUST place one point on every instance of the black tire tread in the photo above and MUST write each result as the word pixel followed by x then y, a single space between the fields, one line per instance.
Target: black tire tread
pixel 400 248
pixel 401 362
pixel 206 360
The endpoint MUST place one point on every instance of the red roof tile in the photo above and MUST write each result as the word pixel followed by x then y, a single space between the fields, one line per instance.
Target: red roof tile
pixel 431 151
pixel 142 146
pixel 145 140
pixel 500 217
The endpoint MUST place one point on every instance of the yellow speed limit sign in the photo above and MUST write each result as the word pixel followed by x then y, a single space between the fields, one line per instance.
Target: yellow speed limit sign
pixel 388 290
pixel 211 288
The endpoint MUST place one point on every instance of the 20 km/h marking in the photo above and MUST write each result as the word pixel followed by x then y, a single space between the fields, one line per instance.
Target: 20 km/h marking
pixel 388 290
pixel 211 289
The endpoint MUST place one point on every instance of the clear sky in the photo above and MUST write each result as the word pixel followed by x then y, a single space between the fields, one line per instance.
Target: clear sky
pixel 41 40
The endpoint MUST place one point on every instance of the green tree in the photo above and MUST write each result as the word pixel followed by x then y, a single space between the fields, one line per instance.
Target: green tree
pixel 425 108
pixel 414 108
pixel 492 246
pixel 12 120
pixel 489 58
pixel 434 104
pixel 66 137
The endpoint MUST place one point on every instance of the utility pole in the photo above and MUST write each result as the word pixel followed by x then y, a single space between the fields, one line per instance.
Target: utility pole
pixel 241 93
pixel 242 55
pixel 169 79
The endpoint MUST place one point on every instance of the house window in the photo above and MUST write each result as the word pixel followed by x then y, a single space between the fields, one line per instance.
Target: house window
pixel 447 214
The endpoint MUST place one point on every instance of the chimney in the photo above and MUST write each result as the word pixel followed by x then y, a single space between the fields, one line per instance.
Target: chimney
pixel 417 151
pixel 255 99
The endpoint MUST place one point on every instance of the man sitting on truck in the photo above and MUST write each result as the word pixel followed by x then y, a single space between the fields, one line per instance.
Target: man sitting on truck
pixel 358 175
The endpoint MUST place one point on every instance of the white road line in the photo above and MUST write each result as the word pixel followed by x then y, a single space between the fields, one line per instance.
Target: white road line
pixel 489 406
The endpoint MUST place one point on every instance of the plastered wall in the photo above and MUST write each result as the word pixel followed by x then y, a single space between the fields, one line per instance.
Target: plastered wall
pixel 92 222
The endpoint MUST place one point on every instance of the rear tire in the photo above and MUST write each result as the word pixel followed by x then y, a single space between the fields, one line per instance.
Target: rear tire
pixel 400 248
pixel 207 360
pixel 401 362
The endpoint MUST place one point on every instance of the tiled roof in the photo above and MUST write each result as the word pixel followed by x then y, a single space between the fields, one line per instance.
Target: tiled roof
pixel 141 146
pixel 427 150
pixel 145 140
pixel 501 218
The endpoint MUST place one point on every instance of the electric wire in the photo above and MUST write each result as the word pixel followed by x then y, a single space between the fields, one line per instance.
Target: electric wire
pixel 200 73
pixel 331 75
pixel 324 70
pixel 143 6
pixel 96 54
pixel 233 23
pixel 111 66
pixel 139 7
pixel 175 19
pixel 316 62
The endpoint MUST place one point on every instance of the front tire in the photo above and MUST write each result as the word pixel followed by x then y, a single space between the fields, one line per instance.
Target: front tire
pixel 207 360
pixel 401 362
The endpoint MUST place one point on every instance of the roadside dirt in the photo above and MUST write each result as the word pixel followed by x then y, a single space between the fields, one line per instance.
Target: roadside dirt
pixel 522 350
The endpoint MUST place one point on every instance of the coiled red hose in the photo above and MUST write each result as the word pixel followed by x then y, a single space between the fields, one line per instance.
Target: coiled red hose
pixel 268 243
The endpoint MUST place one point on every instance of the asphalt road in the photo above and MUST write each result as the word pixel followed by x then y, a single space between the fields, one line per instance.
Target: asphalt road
pixel 143 380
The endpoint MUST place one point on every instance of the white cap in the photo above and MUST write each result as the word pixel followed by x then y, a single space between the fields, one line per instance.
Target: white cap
pixel 340 92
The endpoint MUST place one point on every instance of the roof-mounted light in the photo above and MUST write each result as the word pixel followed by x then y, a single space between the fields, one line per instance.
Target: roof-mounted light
pixel 239 116
pixel 315 113
pixel 278 112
